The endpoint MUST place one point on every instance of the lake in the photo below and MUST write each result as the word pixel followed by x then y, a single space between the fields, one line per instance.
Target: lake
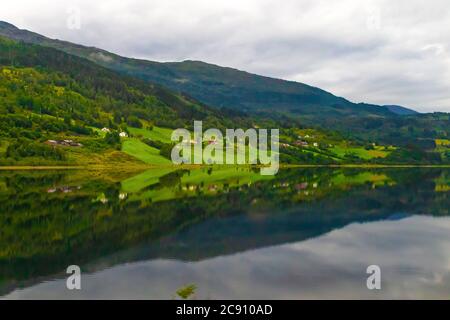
pixel 305 233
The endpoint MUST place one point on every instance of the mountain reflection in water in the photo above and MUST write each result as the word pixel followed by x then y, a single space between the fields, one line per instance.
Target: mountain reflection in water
pixel 305 233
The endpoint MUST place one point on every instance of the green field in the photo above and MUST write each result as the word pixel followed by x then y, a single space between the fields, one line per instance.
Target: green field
pixel 232 175
pixel 144 179
pixel 360 178
pixel 360 152
pixel 205 180
pixel 156 134
pixel 143 152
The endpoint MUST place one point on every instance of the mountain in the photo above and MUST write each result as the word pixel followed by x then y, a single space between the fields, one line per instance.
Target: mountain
pixel 221 86
pixel 48 96
pixel 60 109
pixel 52 91
pixel 400 110
pixel 91 81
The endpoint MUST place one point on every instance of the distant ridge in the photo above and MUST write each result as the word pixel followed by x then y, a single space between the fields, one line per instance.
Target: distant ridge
pixel 222 86
pixel 401 110
pixel 172 95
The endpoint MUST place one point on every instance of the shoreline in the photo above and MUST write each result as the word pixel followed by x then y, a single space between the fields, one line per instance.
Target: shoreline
pixel 147 167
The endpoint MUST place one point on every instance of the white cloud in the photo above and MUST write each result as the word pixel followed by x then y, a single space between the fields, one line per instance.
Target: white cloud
pixel 382 51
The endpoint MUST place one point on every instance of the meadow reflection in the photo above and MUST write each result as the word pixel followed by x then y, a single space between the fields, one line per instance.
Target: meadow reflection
pixel 100 220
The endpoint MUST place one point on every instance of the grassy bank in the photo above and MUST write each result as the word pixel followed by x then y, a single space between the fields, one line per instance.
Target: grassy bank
pixel 197 166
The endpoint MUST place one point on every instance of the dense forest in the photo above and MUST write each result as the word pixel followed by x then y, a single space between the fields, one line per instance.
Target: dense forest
pixel 48 96
pixel 45 93
pixel 265 97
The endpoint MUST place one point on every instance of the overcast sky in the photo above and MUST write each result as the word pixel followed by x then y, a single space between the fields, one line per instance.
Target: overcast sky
pixel 380 51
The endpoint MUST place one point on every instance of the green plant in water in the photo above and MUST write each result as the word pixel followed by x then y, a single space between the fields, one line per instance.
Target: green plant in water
pixel 187 291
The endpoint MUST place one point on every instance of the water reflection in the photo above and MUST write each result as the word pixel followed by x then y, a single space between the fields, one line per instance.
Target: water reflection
pixel 306 233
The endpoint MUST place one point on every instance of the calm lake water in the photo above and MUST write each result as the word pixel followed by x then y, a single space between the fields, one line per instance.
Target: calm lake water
pixel 234 234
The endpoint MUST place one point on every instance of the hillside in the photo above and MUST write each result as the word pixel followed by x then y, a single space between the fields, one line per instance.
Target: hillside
pixel 401 110
pixel 263 97
pixel 48 96
pixel 218 86
pixel 59 109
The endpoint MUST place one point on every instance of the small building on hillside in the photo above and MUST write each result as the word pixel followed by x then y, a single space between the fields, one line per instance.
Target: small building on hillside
pixel 301 143
pixel 123 134
pixel 67 143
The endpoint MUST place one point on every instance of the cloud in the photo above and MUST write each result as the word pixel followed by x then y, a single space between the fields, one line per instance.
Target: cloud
pixel 381 52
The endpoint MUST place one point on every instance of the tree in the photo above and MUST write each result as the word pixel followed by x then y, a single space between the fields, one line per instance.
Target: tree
pixel 133 121
pixel 67 120
pixel 112 138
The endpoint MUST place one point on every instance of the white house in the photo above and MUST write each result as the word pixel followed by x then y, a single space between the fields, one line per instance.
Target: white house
pixel 123 134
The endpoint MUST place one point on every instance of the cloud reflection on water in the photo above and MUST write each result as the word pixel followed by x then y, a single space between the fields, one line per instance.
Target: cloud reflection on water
pixel 413 253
